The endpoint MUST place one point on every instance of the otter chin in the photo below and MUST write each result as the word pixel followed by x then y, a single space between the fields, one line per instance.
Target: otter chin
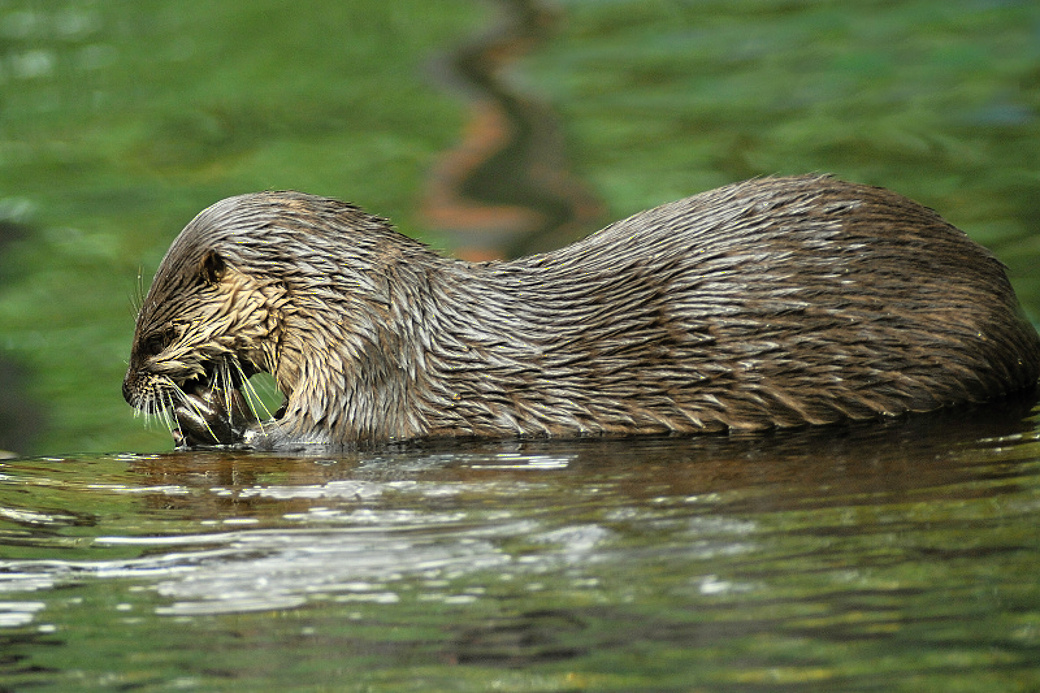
pixel 773 303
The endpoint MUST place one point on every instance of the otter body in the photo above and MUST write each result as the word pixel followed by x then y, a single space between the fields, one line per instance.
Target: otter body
pixel 771 303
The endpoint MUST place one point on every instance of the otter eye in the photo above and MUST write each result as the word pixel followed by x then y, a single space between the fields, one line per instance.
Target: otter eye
pixel 156 343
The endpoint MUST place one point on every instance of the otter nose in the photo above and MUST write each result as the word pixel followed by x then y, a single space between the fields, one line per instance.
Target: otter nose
pixel 128 390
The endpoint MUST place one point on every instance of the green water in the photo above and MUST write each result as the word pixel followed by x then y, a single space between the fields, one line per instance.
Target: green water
pixel 877 558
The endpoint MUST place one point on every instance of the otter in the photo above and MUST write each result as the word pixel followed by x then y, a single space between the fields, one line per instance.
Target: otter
pixel 772 303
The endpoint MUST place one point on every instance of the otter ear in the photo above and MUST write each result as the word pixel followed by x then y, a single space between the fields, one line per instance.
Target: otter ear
pixel 211 268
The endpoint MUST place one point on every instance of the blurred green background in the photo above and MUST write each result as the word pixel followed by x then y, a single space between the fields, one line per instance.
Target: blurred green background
pixel 119 120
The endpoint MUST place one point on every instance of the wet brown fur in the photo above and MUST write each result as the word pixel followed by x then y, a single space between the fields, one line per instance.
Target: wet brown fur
pixel 771 303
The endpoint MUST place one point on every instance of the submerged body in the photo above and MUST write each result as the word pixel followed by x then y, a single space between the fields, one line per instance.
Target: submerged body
pixel 771 303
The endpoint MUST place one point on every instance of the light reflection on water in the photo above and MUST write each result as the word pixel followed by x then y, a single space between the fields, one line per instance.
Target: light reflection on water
pixel 739 562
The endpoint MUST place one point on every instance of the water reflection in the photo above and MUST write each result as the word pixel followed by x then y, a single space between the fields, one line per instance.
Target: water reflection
pixel 288 528
pixel 795 555
pixel 506 190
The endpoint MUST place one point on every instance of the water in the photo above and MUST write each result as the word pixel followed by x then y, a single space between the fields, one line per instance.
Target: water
pixel 870 558
pixel 897 557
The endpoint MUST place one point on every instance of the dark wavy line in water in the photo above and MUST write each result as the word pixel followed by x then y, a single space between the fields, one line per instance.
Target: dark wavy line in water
pixel 506 188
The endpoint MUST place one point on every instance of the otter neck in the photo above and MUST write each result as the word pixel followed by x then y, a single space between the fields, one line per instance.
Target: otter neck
pixel 444 347
pixel 504 357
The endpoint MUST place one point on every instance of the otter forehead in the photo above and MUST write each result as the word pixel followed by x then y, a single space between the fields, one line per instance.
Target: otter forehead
pixel 247 217
pixel 241 226
pixel 281 216
pixel 272 235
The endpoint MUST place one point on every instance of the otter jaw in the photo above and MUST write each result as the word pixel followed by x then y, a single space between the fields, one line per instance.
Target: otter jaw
pixel 204 396
pixel 213 416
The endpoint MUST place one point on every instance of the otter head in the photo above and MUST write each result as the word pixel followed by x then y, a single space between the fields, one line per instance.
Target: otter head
pixel 240 291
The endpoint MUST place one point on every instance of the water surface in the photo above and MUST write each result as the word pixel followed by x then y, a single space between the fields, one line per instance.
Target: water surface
pixel 885 557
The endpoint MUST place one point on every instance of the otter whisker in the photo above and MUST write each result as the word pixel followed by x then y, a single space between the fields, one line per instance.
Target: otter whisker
pixel 252 397
pixel 137 298
pixel 166 396
pixel 228 377
pixel 165 414
pixel 221 381
pixel 176 394
pixel 203 419
pixel 156 404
